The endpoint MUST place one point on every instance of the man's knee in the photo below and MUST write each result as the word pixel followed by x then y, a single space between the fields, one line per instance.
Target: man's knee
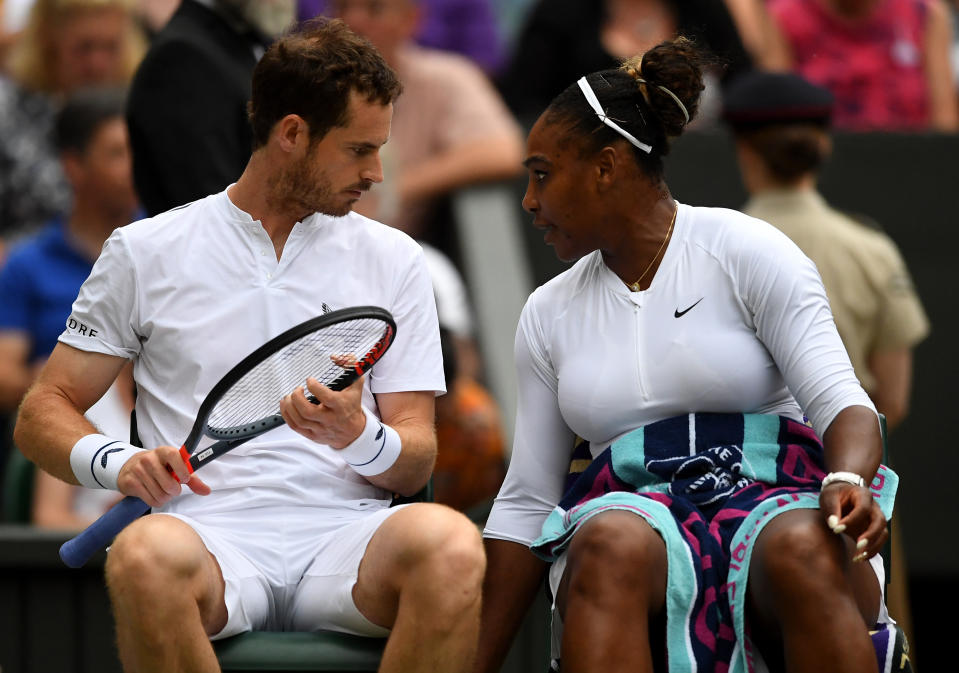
pixel 452 546
pixel 155 549
pixel 444 546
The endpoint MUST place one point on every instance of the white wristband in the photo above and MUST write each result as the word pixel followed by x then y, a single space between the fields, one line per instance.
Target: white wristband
pixel 96 460
pixel 375 450
pixel 846 477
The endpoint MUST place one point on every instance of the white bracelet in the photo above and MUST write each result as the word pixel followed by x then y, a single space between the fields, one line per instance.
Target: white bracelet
pixel 96 460
pixel 847 477
pixel 375 450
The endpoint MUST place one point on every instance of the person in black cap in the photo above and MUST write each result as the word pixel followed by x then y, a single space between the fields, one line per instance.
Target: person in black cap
pixel 187 111
pixel 781 123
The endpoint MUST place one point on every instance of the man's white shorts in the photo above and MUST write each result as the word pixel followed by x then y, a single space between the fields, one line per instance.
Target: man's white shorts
pixel 290 570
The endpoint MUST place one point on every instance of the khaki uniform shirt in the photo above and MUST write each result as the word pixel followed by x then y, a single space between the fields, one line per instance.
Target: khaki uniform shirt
pixel 871 294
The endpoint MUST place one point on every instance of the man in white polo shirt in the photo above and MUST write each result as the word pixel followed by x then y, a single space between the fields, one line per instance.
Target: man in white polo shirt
pixel 282 533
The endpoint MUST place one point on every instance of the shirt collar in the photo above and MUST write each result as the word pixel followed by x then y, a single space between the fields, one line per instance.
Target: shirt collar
pixel 786 199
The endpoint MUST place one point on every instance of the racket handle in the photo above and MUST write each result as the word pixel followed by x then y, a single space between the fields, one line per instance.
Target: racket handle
pixel 78 550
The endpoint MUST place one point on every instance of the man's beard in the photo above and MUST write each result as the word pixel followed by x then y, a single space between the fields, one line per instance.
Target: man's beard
pixel 301 191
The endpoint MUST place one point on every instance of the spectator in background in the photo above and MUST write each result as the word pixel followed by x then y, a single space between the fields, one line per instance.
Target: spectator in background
pixel 510 15
pixel 9 28
pixel 887 62
pixel 66 45
pixel 954 7
pixel 454 308
pixel 470 460
pixel 14 13
pixel 154 14
pixel 187 111
pixel 563 39
pixel 780 122
pixel 467 27
pixel 151 15
pixel 450 127
pixel 759 33
pixel 43 274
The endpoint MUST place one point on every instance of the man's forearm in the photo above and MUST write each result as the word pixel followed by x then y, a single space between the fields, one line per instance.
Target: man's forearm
pixel 48 426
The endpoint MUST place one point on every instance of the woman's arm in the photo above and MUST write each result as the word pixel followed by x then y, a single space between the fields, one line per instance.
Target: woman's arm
pixel 784 291
pixel 853 443
pixel 542 448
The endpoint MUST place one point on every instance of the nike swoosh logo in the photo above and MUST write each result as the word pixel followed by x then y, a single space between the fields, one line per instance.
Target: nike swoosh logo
pixel 680 314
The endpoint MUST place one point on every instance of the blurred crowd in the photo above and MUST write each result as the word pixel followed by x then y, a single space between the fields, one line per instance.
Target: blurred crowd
pixel 112 110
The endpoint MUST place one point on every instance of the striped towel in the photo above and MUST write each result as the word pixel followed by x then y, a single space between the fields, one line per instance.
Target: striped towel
pixel 708 483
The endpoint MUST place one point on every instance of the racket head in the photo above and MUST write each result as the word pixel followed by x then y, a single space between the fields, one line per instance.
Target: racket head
pixel 335 348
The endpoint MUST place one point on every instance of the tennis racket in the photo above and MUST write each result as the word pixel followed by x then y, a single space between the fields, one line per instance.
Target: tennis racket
pixel 336 349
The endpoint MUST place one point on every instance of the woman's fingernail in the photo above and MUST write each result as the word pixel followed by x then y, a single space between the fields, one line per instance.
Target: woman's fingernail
pixel 838 529
pixel 859 557
pixel 862 544
pixel 832 521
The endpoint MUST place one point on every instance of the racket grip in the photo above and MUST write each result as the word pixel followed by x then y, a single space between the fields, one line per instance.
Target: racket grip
pixel 78 550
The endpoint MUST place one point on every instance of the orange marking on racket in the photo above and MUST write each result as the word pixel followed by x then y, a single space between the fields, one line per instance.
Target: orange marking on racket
pixel 186 459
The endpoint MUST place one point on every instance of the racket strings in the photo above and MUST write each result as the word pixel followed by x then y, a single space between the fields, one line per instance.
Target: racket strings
pixel 326 355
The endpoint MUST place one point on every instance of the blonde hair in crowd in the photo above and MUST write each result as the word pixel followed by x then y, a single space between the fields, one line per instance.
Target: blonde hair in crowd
pixel 31 61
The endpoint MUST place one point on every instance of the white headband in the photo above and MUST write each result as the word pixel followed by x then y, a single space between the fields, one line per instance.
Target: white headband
pixel 598 109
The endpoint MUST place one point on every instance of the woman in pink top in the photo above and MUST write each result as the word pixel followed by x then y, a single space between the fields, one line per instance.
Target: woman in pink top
pixel 886 61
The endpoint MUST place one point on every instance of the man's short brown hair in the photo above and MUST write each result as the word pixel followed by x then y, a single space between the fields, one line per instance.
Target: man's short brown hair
pixel 311 72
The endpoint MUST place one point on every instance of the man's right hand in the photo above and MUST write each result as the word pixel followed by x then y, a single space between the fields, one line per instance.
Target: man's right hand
pixel 156 476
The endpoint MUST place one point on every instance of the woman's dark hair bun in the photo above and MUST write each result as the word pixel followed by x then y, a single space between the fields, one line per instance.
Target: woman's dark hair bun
pixel 676 65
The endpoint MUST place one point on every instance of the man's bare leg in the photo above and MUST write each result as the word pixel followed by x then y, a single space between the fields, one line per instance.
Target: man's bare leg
pixel 422 576
pixel 167 596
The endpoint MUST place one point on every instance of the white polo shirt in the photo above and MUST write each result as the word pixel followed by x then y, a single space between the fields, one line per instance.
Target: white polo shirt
pixel 187 294
pixel 735 320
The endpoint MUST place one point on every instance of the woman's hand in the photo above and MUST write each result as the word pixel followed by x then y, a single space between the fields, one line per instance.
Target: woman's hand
pixel 853 510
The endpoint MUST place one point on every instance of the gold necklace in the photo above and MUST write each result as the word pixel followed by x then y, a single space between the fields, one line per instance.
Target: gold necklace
pixel 634 286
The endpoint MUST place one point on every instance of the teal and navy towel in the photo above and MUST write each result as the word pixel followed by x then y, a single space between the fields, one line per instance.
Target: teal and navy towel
pixel 708 483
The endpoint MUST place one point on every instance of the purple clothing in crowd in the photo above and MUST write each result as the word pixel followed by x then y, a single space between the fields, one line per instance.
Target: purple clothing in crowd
pixel 467 27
